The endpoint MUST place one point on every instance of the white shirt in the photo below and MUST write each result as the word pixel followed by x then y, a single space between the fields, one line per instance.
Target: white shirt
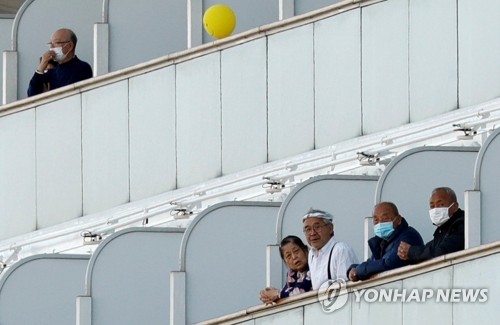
pixel 343 256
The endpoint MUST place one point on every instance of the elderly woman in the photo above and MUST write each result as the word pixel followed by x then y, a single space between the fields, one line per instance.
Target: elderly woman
pixel 294 252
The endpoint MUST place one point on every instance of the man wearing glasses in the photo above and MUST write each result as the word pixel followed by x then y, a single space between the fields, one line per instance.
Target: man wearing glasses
pixel 328 259
pixel 69 70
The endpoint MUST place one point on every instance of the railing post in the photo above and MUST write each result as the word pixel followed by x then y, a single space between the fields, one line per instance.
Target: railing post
pixel 177 298
pixel 472 209
pixel 83 310
pixel 286 9
pixel 101 49
pixel 273 266
pixel 367 235
pixel 195 23
pixel 9 77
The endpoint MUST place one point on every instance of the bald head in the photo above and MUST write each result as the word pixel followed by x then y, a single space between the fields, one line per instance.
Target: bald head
pixel 65 39
pixel 65 34
pixel 444 197
pixel 386 212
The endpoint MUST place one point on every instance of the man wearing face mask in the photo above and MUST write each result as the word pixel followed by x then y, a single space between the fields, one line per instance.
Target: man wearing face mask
pixel 70 68
pixel 449 235
pixel 390 229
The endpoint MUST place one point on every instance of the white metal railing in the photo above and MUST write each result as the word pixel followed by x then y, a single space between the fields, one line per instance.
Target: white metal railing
pixel 268 182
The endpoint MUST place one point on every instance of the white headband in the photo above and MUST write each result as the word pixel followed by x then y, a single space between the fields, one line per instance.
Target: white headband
pixel 312 213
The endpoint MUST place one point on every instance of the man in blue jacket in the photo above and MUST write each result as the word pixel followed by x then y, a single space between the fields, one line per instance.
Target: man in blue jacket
pixel 390 229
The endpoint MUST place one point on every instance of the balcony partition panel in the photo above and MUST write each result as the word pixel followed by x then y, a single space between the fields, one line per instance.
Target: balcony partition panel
pixel 198 120
pixel 58 161
pixel 17 174
pixel 384 52
pixel 41 289
pixel 487 174
pixel 105 147
pixel 128 276
pixel 290 92
pixel 244 106
pixel 223 254
pixel 152 133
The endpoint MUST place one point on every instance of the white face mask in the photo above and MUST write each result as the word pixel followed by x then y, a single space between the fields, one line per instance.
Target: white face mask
pixel 439 215
pixel 60 56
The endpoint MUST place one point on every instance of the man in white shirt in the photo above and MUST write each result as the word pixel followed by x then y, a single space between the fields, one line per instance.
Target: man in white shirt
pixel 328 259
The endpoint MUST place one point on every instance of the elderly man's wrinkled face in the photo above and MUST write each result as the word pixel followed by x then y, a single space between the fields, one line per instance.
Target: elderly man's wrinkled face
pixel 60 43
pixel 317 232
pixel 441 199
pixel 385 213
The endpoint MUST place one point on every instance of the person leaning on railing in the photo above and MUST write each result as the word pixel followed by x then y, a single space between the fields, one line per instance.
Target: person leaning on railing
pixel 294 252
pixel 390 230
pixel 449 236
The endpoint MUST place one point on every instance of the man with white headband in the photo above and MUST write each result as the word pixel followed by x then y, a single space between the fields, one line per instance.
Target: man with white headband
pixel 70 68
pixel 328 259
pixel 449 236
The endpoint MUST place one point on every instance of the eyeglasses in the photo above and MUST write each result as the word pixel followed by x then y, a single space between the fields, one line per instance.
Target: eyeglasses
pixel 50 44
pixel 316 228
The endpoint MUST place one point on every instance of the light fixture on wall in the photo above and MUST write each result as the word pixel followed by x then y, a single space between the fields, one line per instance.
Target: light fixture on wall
pixel 469 132
pixel 273 185
pixel 374 159
pixel 367 159
pixel 181 213
pixel 90 238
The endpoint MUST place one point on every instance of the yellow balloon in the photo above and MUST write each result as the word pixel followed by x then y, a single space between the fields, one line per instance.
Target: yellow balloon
pixel 219 21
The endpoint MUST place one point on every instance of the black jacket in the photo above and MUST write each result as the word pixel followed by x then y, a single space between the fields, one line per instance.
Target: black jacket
pixel 62 75
pixel 448 238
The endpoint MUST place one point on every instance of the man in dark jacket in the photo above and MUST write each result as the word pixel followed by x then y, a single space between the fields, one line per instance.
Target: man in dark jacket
pixel 390 229
pixel 449 236
pixel 70 68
